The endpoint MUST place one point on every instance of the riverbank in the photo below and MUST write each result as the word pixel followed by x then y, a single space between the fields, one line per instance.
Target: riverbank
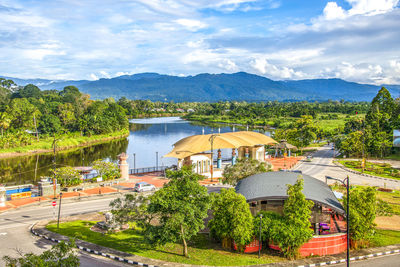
pixel 66 143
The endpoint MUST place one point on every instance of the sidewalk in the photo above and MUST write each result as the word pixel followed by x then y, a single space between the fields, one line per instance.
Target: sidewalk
pixel 284 163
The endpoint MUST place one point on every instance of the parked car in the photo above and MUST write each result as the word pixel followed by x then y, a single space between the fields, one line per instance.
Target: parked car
pixel 143 186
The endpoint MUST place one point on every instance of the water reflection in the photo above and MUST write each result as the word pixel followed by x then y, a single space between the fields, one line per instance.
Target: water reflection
pixel 146 138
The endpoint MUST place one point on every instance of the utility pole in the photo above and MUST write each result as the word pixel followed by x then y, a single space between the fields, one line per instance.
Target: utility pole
pixel 259 240
pixel 59 211
pixel 54 167
pixel 346 183
pixel 212 137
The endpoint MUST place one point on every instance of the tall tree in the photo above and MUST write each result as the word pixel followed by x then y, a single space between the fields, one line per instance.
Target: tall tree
pixel 380 113
pixel 232 219
pixel 181 206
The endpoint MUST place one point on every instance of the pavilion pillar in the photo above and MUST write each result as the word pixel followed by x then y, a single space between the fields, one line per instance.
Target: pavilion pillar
pixel 123 166
pixel 234 156
pixel 219 159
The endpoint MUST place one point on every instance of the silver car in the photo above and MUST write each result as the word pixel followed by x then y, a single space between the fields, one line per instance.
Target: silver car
pixel 143 186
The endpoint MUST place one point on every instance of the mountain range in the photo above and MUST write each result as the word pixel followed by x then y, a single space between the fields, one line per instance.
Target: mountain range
pixel 215 87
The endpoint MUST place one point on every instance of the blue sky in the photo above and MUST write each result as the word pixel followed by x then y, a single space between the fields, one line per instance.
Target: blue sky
pixel 356 40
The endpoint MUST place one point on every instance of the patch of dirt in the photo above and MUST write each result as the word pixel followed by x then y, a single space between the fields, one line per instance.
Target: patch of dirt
pixel 388 223
pixel 95 216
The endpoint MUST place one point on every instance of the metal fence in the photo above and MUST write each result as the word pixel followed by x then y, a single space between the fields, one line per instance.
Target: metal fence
pixel 149 169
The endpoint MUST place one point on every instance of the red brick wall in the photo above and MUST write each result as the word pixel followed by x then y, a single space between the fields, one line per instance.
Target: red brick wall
pixel 322 245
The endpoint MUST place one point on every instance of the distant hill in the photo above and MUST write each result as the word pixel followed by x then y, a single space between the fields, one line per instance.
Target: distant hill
pixel 215 87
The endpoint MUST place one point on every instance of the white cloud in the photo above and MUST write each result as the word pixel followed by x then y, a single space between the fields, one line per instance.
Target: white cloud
pixel 262 66
pixel 93 76
pixel 371 7
pixel 358 7
pixel 333 11
pixel 191 24
pixel 105 74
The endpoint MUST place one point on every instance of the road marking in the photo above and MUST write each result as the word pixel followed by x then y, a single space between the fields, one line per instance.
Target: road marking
pixel 3 233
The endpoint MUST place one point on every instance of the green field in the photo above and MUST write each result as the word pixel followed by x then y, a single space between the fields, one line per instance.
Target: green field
pixel 385 238
pixel 281 122
pixel 202 250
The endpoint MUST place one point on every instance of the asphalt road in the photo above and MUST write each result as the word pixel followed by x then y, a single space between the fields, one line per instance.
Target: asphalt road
pixel 383 261
pixel 321 165
pixel 14 225
pixel 15 235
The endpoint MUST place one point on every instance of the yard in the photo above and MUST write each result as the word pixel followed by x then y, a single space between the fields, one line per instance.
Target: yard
pixel 377 169
pixel 202 250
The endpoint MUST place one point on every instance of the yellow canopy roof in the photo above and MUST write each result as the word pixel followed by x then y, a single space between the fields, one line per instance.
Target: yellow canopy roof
pixel 199 143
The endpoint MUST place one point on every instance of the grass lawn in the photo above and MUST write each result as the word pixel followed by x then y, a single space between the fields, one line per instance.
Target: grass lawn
pixel 385 238
pixel 66 141
pixel 393 198
pixel 201 250
pixel 378 169
pixel 319 144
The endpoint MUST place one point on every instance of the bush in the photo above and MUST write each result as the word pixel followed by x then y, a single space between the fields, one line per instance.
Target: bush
pixel 379 171
pixel 107 170
pixel 68 176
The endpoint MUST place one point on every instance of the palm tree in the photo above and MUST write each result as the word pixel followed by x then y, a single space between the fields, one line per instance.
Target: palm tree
pixel 4 121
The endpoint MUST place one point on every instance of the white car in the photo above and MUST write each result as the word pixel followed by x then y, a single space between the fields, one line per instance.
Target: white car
pixel 143 186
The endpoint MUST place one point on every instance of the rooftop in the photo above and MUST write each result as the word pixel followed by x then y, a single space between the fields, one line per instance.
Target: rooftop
pixel 272 185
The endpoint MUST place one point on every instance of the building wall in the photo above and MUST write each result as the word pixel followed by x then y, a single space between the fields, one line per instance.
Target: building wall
pixel 322 245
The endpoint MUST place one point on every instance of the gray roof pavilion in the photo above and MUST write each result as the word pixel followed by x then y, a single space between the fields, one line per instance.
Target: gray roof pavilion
pixel 272 185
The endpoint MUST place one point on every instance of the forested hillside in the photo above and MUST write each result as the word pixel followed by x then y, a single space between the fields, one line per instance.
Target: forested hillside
pixel 239 86
pixel 28 114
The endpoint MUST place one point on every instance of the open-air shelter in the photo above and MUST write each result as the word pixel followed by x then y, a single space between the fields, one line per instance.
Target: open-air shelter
pixel 192 150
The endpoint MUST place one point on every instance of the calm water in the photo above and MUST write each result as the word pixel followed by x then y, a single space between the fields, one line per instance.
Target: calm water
pixel 146 138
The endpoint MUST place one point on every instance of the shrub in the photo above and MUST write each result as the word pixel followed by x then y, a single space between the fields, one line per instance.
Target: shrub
pixel 107 170
pixel 68 176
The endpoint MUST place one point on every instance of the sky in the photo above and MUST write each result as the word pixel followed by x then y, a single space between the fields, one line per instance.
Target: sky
pixel 355 40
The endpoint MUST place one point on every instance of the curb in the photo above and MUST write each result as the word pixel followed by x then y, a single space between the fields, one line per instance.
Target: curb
pixel 120 259
pixel 93 251
pixel 364 174
pixel 353 258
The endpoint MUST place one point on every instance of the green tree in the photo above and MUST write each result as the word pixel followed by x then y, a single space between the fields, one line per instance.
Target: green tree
pixel 292 229
pixel 61 254
pixel 379 116
pixel 232 219
pixel 4 121
pixel 106 170
pixel 180 206
pixel 242 169
pixel 28 91
pixel 21 111
pixel 132 208
pixel 352 144
pixel 362 206
pixel 68 176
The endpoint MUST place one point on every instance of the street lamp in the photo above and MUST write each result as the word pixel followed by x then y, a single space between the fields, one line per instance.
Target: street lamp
pixel 212 137
pixel 345 182
pixel 259 240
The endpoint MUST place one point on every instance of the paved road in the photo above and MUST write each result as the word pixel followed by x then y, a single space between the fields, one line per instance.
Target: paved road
pixel 15 235
pixel 321 165
pixel 383 261
pixel 14 229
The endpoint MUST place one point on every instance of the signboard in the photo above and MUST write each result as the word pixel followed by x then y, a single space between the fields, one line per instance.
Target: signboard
pixel 53 203
pixel 99 179
pixel 396 138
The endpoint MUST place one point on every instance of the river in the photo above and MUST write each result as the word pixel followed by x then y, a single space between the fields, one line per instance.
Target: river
pixel 149 140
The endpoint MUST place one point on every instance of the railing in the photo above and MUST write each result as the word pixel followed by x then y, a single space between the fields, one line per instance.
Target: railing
pixel 149 169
